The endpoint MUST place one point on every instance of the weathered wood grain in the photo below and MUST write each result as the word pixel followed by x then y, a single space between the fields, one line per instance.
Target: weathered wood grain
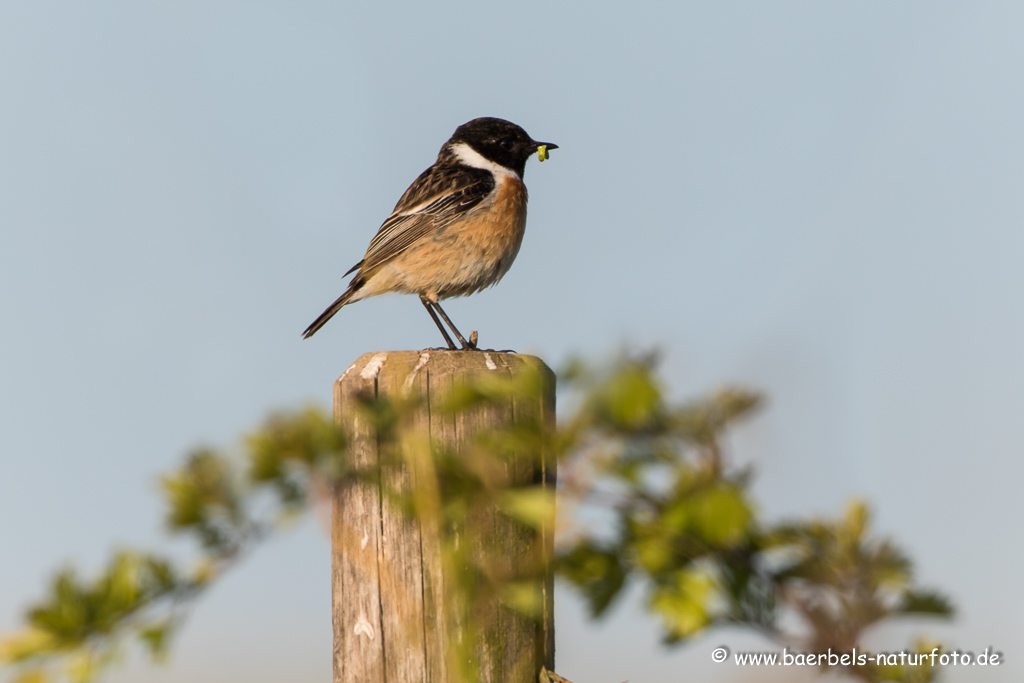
pixel 389 586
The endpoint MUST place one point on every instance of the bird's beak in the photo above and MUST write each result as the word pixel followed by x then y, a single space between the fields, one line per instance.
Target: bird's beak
pixel 543 148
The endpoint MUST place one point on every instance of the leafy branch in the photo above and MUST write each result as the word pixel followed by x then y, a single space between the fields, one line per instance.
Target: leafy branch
pixel 676 517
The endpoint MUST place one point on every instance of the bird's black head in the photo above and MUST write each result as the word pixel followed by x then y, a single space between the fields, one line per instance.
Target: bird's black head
pixel 496 140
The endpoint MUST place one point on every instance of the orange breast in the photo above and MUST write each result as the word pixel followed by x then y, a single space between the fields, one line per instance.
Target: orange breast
pixel 489 239
pixel 505 218
pixel 469 254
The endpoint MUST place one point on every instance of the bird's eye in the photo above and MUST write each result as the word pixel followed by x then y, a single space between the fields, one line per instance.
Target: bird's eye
pixel 506 144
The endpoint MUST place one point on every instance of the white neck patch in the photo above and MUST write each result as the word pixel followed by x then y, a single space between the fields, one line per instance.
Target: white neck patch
pixel 471 157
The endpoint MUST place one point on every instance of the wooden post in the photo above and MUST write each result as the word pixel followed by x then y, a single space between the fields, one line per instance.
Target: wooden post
pixel 389 587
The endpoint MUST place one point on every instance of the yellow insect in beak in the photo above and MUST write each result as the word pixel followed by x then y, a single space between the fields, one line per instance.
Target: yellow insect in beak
pixel 542 152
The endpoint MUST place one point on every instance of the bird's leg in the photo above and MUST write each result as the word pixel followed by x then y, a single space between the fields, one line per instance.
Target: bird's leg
pixel 444 332
pixel 462 340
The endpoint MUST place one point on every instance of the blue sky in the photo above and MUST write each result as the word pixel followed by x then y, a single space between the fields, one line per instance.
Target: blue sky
pixel 820 200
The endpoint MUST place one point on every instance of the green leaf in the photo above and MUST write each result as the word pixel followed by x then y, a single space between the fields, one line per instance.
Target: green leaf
pixel 653 551
pixel 925 602
pixel 721 516
pixel 534 505
pixel 856 520
pixel 629 400
pixel 202 484
pixel 26 644
pixel 525 597
pixel 597 572
pixel 308 439
pixel 703 420
pixel 684 604
pixel 156 638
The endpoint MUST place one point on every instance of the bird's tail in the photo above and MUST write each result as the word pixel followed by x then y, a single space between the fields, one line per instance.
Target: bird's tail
pixel 331 310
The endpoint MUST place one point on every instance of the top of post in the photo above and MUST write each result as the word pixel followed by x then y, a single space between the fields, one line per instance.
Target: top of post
pixel 370 366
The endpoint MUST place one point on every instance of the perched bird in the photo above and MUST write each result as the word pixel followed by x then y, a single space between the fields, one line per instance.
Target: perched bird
pixel 458 227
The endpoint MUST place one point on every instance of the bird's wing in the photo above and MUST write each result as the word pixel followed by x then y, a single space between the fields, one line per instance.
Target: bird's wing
pixel 434 200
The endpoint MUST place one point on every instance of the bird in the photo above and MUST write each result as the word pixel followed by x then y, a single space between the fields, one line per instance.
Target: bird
pixel 456 229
